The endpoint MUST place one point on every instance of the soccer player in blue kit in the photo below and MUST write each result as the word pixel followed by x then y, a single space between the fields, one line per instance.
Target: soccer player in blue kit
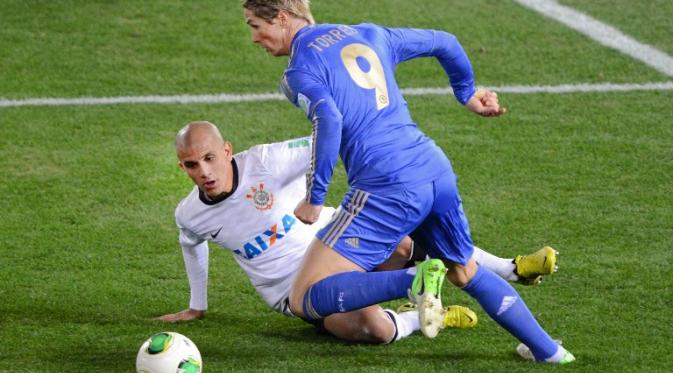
pixel 401 183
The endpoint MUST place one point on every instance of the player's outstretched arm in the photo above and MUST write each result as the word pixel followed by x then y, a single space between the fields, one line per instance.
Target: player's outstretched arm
pixel 185 315
pixel 485 103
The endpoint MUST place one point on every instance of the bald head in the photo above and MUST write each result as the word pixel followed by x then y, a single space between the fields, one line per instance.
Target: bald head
pixel 205 157
pixel 197 133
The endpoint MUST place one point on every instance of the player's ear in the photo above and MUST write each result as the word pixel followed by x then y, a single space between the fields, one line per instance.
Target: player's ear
pixel 283 18
pixel 228 149
pixel 182 167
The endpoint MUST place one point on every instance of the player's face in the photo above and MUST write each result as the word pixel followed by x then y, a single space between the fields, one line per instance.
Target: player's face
pixel 270 36
pixel 208 164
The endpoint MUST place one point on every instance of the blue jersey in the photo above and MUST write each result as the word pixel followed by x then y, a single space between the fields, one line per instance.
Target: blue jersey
pixel 343 78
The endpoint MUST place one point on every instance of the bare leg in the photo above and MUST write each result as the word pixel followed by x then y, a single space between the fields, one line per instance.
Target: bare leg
pixel 399 258
pixel 319 262
pixel 370 324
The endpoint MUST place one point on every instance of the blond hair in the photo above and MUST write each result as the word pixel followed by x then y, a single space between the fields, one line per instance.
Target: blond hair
pixel 268 9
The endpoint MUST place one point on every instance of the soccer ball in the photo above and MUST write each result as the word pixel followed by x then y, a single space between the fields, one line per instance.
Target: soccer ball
pixel 168 352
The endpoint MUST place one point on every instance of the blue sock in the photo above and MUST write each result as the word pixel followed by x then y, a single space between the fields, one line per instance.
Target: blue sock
pixel 505 306
pixel 350 291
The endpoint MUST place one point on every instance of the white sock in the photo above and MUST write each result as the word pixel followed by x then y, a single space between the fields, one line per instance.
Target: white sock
pixel 406 323
pixel 500 266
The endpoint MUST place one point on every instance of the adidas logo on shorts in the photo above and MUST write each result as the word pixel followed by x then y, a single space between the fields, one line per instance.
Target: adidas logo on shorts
pixel 353 241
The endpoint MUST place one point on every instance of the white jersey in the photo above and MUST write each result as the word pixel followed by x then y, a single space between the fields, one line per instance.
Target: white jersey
pixel 255 222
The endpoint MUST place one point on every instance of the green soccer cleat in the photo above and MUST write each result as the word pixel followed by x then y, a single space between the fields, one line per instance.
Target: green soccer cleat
pixel 454 316
pixel 526 354
pixel 530 268
pixel 426 293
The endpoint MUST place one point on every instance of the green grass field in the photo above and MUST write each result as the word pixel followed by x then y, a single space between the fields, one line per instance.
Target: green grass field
pixel 88 244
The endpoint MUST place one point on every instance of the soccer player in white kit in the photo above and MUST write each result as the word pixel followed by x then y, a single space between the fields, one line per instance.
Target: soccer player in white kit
pixel 245 202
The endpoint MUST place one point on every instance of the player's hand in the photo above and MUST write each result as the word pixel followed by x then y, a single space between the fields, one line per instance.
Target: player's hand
pixel 307 212
pixel 485 103
pixel 186 315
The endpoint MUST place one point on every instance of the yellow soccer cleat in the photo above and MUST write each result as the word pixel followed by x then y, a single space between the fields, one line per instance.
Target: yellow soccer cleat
pixel 454 316
pixel 459 317
pixel 530 268
pixel 406 307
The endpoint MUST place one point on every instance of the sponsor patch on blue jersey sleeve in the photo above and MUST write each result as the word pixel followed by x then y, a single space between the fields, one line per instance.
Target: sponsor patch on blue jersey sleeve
pixel 304 103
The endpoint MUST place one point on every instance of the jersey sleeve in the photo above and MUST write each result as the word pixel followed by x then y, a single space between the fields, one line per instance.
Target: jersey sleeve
pixel 289 160
pixel 196 264
pixel 195 255
pixel 412 43
pixel 311 95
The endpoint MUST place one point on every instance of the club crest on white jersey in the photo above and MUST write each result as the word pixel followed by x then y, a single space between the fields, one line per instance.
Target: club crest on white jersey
pixel 261 199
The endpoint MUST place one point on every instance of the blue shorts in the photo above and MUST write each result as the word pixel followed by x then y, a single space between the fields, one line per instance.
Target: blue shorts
pixel 367 227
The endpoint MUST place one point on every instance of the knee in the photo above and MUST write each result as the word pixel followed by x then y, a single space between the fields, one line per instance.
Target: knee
pixel 376 326
pixel 379 331
pixel 366 325
pixel 364 330
pixel 460 275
